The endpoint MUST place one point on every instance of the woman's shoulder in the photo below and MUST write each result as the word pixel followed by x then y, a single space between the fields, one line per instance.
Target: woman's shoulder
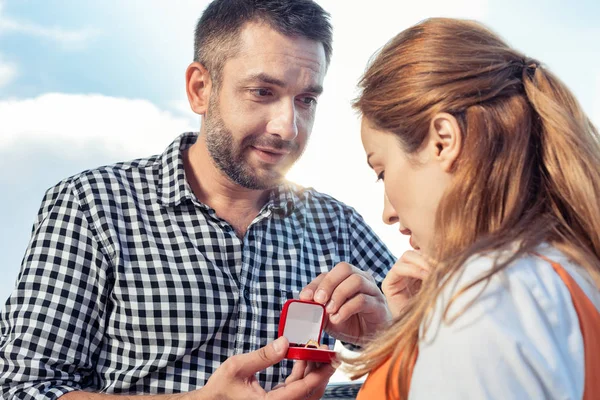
pixel 527 278
pixel 527 286
pixel 516 332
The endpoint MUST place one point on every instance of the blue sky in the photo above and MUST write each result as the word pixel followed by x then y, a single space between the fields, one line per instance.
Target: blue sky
pixel 94 82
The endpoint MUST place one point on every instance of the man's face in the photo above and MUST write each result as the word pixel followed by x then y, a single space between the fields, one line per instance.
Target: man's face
pixel 259 121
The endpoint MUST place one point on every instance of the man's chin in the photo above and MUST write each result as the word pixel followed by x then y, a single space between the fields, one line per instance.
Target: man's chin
pixel 261 176
pixel 270 183
pixel 259 182
pixel 270 178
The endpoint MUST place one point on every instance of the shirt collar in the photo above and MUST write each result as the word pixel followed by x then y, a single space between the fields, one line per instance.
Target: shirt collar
pixel 283 198
pixel 174 189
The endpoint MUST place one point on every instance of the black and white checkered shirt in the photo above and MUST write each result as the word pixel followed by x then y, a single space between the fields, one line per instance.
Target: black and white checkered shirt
pixel 131 285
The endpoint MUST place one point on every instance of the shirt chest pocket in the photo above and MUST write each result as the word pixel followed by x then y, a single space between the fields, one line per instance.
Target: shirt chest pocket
pixel 160 311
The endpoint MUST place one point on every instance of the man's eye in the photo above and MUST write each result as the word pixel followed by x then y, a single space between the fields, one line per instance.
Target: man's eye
pixel 261 92
pixel 380 176
pixel 309 101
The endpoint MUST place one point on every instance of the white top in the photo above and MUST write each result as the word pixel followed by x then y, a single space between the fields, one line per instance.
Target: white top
pixel 519 340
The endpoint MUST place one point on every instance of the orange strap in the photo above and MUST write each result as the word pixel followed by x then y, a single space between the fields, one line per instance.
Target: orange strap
pixel 375 385
pixel 589 324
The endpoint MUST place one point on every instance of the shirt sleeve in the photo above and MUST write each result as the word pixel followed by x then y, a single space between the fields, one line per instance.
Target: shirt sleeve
pixel 52 322
pixel 520 339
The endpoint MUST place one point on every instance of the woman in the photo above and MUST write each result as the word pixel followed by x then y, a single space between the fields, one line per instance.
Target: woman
pixel 491 166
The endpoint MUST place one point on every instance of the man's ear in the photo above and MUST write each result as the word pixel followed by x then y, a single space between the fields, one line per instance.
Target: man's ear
pixel 198 86
pixel 446 138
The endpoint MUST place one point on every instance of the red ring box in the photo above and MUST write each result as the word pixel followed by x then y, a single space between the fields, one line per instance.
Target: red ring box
pixel 300 322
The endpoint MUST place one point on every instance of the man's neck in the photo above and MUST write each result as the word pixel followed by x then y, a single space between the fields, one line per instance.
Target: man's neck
pixel 232 202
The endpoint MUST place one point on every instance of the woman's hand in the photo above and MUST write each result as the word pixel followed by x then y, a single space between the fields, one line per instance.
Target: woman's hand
pixel 404 280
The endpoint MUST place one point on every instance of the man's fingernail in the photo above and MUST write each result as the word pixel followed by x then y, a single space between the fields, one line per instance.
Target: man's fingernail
pixel 330 306
pixel 424 273
pixel 306 293
pixel 321 296
pixel 278 345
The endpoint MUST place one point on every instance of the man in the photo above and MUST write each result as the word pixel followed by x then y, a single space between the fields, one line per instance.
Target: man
pixel 152 276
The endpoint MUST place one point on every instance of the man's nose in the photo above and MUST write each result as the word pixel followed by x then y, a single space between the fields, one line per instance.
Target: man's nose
pixel 284 122
pixel 389 216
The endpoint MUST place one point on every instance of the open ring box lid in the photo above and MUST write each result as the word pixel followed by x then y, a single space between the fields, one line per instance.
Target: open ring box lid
pixel 301 322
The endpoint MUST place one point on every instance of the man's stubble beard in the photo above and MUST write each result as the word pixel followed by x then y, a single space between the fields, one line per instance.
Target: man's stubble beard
pixel 229 159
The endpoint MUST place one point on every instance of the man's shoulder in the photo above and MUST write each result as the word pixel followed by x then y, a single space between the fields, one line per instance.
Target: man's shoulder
pixel 121 172
pixel 125 176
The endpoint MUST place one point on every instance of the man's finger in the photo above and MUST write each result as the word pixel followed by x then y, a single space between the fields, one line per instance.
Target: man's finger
pixel 334 278
pixel 308 292
pixel 249 364
pixel 360 304
pixel 298 371
pixel 353 285
pixel 312 386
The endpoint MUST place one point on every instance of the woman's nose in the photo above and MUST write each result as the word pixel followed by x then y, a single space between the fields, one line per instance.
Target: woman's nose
pixel 389 216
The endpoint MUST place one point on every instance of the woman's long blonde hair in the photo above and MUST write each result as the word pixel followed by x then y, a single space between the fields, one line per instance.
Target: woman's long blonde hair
pixel 528 172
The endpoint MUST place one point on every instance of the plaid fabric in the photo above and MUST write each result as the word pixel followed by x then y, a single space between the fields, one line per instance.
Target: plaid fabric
pixel 131 285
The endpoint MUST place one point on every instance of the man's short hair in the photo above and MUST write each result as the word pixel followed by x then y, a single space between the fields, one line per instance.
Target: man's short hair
pixel 219 27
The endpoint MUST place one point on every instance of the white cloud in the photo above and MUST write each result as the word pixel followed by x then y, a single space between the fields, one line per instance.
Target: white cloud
pixel 121 127
pixel 8 71
pixel 72 39
pixel 182 107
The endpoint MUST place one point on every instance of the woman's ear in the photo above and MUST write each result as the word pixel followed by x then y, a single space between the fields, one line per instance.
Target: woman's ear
pixel 198 87
pixel 446 140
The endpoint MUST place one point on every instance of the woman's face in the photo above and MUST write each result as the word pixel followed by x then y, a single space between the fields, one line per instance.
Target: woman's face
pixel 414 183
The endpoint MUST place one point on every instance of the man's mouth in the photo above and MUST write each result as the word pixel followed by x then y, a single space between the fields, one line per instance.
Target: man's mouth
pixel 270 155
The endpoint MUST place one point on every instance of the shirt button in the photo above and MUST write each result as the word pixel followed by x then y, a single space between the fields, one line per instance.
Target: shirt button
pixel 247 294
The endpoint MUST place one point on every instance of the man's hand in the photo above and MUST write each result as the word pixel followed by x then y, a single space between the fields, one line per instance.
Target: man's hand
pixel 404 280
pixel 355 306
pixel 235 378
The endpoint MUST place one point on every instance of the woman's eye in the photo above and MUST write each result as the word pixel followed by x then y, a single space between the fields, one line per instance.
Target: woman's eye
pixel 380 176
